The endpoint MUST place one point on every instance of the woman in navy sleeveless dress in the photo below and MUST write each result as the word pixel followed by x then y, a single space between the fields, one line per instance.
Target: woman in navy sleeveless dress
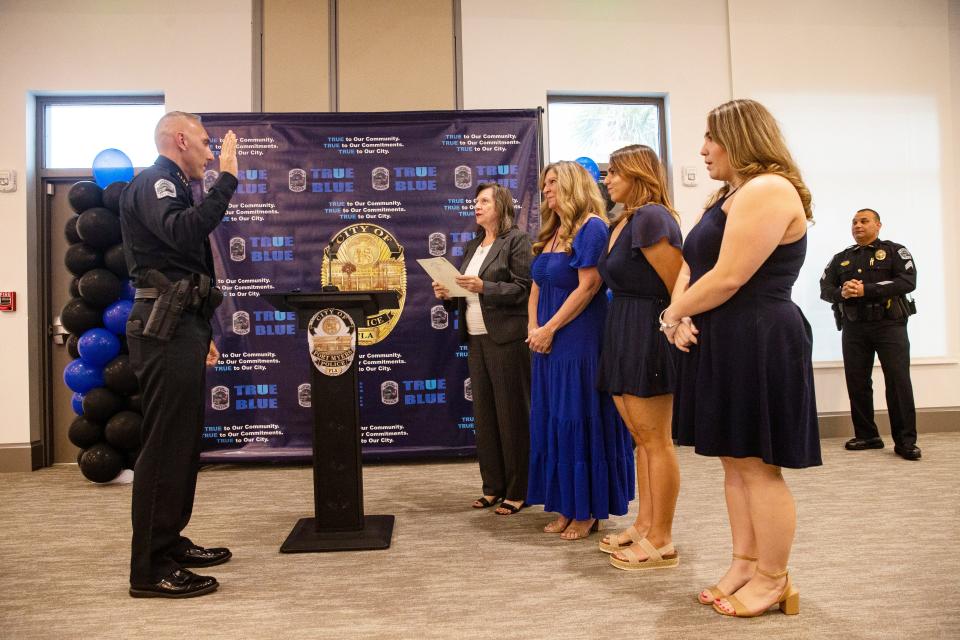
pixel 640 267
pixel 581 463
pixel 745 377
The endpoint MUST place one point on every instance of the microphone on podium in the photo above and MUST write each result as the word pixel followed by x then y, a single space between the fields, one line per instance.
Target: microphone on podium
pixel 329 251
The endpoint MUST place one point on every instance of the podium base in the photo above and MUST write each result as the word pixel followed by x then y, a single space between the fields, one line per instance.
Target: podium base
pixel 376 534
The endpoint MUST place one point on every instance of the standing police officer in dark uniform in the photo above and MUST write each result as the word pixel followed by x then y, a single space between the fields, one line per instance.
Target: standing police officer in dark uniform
pixel 867 284
pixel 166 244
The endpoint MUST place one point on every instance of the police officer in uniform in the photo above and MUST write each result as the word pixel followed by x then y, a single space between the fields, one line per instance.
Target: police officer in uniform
pixel 867 284
pixel 165 241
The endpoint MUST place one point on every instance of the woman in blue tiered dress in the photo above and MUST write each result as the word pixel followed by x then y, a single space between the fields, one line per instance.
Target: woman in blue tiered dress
pixel 581 461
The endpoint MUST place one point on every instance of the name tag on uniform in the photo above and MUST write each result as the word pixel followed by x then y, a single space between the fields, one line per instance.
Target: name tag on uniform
pixel 164 189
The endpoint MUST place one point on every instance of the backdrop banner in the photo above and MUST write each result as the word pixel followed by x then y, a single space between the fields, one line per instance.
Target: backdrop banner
pixel 353 199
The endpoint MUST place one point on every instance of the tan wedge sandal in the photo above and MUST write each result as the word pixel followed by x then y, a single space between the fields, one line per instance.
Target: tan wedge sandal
pixel 662 558
pixel 714 591
pixel 613 546
pixel 789 600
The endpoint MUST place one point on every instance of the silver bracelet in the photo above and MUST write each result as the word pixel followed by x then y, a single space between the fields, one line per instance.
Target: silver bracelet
pixel 663 325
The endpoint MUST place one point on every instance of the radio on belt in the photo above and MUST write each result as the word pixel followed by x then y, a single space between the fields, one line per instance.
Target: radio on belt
pixel 8 300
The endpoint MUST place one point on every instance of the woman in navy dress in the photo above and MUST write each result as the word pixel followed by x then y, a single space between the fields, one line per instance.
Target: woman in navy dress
pixel 581 463
pixel 745 377
pixel 640 266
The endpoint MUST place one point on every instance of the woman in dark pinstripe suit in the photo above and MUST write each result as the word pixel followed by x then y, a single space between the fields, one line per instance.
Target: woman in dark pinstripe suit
pixel 493 322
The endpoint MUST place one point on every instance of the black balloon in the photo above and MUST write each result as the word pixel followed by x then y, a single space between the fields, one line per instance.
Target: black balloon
pixel 99 227
pixel 119 377
pixel 85 433
pixel 78 317
pixel 81 257
pixel 123 430
pixel 84 195
pixel 111 195
pixel 114 260
pixel 70 230
pixel 135 403
pixel 99 287
pixel 101 463
pixel 100 404
pixel 75 288
pixel 73 347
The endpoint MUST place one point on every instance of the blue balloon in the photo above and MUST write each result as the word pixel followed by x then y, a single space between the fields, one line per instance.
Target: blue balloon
pixel 128 291
pixel 590 166
pixel 77 403
pixel 98 346
pixel 112 165
pixel 115 316
pixel 81 377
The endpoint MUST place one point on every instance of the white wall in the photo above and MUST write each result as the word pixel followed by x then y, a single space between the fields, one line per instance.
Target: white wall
pixel 863 90
pixel 515 52
pixel 196 53
pixel 702 53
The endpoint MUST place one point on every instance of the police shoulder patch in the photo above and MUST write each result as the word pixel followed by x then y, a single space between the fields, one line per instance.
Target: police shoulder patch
pixel 164 189
pixel 904 253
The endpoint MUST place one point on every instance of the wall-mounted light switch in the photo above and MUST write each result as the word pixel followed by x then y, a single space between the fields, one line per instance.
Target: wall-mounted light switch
pixel 8 180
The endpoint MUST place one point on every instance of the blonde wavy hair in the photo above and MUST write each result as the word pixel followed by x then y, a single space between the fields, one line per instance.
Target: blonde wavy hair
pixel 578 198
pixel 749 134
pixel 640 165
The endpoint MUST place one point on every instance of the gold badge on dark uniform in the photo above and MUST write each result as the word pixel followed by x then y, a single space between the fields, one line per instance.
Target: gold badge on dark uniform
pixel 880 254
pixel 844 263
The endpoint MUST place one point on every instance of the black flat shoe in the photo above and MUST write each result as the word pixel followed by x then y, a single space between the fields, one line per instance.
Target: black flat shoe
pixel 483 503
pixel 197 556
pixel 182 583
pixel 908 453
pixel 511 508
pixel 859 444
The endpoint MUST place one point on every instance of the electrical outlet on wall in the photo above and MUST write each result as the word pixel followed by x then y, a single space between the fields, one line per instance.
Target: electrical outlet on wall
pixel 8 180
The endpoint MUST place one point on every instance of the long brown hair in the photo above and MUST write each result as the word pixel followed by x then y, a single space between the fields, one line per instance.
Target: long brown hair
pixel 749 134
pixel 578 198
pixel 639 164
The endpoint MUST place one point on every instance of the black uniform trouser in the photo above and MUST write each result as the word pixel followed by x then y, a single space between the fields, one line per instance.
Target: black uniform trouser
pixel 500 380
pixel 888 339
pixel 171 376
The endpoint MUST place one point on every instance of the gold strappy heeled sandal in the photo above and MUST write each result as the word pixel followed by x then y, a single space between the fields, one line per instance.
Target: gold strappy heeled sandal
pixel 714 591
pixel 789 599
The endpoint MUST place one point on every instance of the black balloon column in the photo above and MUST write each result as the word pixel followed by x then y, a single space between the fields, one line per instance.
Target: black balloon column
pixel 106 400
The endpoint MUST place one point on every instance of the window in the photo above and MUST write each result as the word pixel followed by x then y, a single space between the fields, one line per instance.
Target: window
pixel 595 126
pixel 76 130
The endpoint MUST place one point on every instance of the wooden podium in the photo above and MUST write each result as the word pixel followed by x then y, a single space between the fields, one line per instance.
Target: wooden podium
pixel 339 523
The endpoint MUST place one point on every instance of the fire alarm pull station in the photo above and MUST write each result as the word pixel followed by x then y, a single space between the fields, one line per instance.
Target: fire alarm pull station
pixel 8 300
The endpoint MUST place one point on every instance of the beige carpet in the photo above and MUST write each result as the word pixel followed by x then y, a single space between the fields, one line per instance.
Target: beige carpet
pixel 877 555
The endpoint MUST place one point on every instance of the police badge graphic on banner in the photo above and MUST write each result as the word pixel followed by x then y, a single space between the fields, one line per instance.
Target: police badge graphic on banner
pixel 332 341
pixel 366 257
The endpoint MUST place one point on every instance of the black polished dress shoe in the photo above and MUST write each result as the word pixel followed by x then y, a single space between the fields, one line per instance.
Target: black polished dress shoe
pixel 197 556
pixel 911 452
pixel 859 444
pixel 182 583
